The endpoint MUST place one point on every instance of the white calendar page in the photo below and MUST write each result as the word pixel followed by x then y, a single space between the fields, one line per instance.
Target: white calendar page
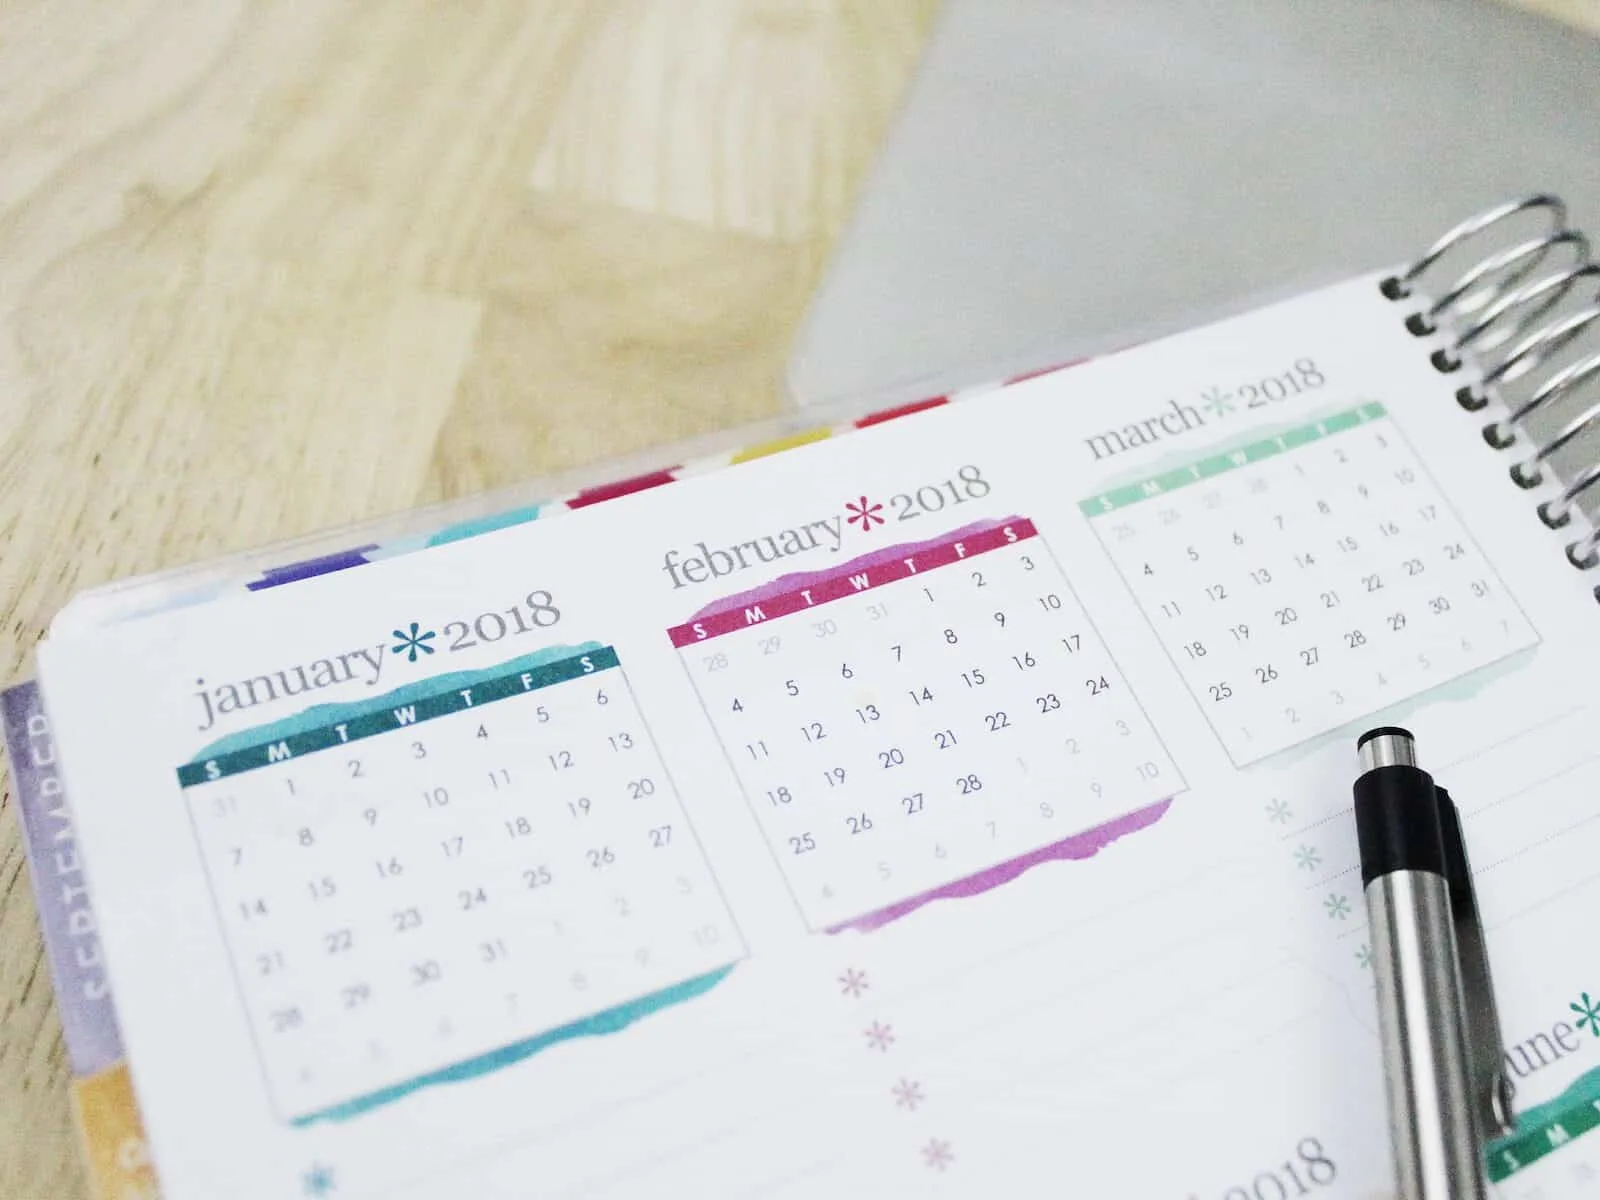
pixel 854 820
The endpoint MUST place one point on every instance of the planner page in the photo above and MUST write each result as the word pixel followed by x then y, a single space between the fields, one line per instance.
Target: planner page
pixel 959 804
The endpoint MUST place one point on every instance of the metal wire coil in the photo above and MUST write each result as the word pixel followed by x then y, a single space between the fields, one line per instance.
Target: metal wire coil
pixel 1510 312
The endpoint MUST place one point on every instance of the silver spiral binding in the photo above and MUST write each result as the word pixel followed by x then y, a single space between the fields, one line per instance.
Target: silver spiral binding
pixel 1537 298
pixel 1525 356
pixel 1525 311
pixel 1553 207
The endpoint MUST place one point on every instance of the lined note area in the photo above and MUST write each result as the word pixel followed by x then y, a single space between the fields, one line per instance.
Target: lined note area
pixel 1528 813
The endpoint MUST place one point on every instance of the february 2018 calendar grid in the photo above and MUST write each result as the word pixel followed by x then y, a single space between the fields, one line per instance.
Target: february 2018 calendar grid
pixel 924 722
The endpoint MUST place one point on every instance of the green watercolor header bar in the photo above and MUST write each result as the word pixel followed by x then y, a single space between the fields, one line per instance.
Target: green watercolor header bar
pixel 452 696
pixel 1231 460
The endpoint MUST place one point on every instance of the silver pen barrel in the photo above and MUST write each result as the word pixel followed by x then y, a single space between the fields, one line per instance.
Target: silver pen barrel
pixel 1437 1144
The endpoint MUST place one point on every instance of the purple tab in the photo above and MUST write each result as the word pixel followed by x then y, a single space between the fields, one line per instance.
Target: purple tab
pixel 343 560
pixel 71 939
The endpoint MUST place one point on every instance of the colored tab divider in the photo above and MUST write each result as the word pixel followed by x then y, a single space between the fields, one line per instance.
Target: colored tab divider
pixel 326 726
pixel 859 575
pixel 66 919
pixel 1230 460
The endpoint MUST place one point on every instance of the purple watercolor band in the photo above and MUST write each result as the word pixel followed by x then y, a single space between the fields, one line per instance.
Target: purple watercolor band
pixel 1078 846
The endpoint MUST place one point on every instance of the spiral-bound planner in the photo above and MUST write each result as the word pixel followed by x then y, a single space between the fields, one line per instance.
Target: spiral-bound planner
pixel 937 805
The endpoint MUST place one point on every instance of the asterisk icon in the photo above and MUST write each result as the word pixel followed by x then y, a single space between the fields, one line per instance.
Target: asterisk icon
pixel 1307 857
pixel 413 643
pixel 1588 1013
pixel 937 1155
pixel 853 982
pixel 1278 811
pixel 317 1180
pixel 1364 956
pixel 865 511
pixel 879 1036
pixel 907 1094
pixel 1338 908
pixel 1218 402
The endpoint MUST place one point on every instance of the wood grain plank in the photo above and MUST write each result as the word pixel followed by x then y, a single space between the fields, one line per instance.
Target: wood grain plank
pixel 268 268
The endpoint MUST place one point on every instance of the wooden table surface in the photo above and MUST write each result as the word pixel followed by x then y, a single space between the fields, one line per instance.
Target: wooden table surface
pixel 270 268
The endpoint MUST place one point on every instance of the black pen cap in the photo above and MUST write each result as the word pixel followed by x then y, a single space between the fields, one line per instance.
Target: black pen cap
pixel 1397 811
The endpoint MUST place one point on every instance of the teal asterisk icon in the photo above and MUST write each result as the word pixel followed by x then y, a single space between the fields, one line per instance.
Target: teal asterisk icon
pixel 1307 857
pixel 317 1180
pixel 1338 908
pixel 1278 811
pixel 1588 1013
pixel 413 643
pixel 1217 402
pixel 1364 956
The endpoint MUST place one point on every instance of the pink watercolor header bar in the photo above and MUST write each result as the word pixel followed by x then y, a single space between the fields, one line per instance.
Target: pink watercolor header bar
pixel 798 592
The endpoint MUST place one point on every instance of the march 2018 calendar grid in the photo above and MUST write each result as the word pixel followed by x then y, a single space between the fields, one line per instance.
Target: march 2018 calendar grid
pixel 1306 578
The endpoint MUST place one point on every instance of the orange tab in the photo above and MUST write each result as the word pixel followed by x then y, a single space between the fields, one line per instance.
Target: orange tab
pixel 113 1137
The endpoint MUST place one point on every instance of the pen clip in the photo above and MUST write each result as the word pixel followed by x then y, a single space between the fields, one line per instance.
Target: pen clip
pixel 1491 1087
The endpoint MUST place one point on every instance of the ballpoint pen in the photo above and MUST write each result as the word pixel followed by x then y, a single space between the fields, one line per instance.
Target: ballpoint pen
pixel 1446 1089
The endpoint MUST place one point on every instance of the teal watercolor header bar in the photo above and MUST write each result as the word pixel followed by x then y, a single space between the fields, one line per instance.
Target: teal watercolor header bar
pixel 1230 460
pixel 329 725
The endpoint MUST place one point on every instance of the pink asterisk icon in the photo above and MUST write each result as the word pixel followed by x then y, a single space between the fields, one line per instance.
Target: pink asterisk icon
pixel 937 1154
pixel 907 1094
pixel 865 511
pixel 879 1036
pixel 853 982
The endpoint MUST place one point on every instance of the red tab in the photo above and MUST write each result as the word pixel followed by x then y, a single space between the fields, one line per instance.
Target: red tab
pixel 1027 375
pixel 622 487
pixel 905 410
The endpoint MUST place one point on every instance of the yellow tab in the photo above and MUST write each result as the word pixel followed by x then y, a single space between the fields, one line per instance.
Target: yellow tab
pixel 781 444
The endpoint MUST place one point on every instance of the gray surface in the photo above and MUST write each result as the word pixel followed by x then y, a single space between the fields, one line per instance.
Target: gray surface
pixel 1067 177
